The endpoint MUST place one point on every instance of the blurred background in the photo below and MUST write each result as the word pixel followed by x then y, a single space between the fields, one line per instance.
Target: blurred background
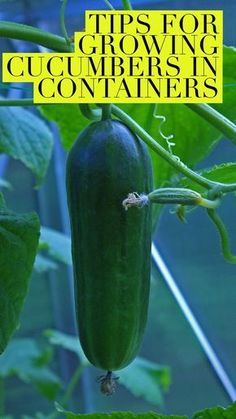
pixel 192 321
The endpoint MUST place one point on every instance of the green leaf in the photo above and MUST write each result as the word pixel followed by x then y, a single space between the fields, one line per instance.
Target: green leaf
pixel 19 236
pixel 228 107
pixel 217 413
pixel 119 415
pixel 69 119
pixel 212 413
pixel 71 343
pixel 225 173
pixel 44 357
pixel 59 245
pixel 21 358
pixel 46 382
pixel 25 137
pixel 43 264
pixel 145 379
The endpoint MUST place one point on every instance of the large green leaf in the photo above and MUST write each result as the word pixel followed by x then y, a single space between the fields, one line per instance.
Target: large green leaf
pixel 71 343
pixel 19 236
pixel 43 264
pixel 142 377
pixel 21 359
pixel 217 413
pixel 58 245
pixel 69 119
pixel 225 173
pixel 119 415
pixel 213 413
pixel 228 107
pixel 25 137
pixel 145 379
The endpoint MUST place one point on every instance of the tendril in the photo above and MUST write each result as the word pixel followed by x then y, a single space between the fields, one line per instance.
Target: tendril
pixel 167 138
pixel 62 23
pixel 224 238
pixel 109 5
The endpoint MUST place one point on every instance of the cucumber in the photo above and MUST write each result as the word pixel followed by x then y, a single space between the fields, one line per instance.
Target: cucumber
pixel 111 247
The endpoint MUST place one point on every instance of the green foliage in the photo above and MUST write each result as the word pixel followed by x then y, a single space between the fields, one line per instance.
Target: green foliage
pixel 228 107
pixel 71 343
pixel 217 413
pixel 69 119
pixel 58 245
pixel 27 361
pixel 43 264
pixel 121 415
pixel 213 413
pixel 193 136
pixel 225 173
pixel 25 137
pixel 142 378
pixel 145 379
pixel 19 236
pixel 186 127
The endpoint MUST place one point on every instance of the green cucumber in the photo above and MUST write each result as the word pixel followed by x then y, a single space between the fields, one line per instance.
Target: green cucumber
pixel 111 247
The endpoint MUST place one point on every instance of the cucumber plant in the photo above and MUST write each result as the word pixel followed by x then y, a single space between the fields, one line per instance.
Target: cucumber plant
pixel 109 171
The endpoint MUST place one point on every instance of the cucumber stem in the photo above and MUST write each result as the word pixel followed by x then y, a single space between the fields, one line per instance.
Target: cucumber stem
pixel 92 114
pixel 106 111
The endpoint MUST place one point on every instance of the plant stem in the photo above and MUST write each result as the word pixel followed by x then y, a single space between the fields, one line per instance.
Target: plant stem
pixel 127 5
pixel 160 150
pixel 106 111
pixel 70 388
pixel 215 118
pixel 62 22
pixel 208 203
pixel 92 114
pixel 14 30
pixel 176 163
